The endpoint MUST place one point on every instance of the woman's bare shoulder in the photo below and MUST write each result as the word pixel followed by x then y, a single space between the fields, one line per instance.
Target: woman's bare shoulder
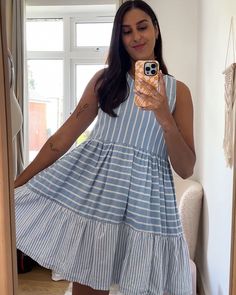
pixel 94 83
pixel 182 90
pixel 183 96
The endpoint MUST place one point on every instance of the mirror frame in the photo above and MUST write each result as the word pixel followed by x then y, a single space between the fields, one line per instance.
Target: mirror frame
pixel 8 277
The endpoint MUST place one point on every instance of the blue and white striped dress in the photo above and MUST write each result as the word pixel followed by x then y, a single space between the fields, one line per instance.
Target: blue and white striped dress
pixel 106 213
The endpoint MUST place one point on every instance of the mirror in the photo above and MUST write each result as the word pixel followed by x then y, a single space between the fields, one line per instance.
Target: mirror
pixel 200 68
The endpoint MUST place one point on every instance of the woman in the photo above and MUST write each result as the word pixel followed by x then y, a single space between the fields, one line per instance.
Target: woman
pixel 106 212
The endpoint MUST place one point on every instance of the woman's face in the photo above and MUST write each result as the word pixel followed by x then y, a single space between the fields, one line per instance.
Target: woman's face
pixel 139 35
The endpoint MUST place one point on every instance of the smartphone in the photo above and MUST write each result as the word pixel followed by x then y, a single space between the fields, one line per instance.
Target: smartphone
pixel 147 70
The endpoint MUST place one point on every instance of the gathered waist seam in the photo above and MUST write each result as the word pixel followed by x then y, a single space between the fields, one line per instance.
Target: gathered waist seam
pixel 128 146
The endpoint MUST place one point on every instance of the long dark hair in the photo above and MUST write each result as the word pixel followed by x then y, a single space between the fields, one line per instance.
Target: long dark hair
pixel 113 88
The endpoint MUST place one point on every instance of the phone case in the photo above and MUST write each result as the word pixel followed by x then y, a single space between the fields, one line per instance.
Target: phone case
pixel 143 70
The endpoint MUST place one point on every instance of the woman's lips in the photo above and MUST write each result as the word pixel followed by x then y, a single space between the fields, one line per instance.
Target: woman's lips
pixel 138 47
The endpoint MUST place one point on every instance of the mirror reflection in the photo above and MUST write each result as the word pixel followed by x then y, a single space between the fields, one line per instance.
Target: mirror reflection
pixel 106 194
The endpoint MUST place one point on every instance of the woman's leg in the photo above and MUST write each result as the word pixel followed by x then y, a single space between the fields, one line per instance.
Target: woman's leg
pixel 79 289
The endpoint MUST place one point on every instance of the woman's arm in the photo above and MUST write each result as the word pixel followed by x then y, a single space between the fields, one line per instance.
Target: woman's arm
pixel 177 127
pixel 178 133
pixel 65 136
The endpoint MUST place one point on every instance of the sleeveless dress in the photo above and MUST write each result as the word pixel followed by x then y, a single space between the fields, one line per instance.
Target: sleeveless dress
pixel 105 213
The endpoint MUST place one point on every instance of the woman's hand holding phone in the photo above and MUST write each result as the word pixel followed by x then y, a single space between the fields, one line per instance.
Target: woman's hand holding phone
pixel 152 96
pixel 146 73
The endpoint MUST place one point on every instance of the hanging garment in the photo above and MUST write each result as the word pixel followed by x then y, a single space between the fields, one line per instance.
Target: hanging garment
pixel 230 97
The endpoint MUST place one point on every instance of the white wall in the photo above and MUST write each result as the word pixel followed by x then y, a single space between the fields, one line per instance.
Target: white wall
pixel 217 180
pixel 195 39
pixel 178 24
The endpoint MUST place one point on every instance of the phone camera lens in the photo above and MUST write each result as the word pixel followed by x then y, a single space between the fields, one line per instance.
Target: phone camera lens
pixel 148 69
pixel 153 72
pixel 153 66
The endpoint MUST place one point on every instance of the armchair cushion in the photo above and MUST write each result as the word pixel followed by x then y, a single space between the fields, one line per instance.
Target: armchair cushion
pixel 189 195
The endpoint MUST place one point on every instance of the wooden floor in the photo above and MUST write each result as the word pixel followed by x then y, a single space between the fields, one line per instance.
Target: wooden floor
pixel 39 282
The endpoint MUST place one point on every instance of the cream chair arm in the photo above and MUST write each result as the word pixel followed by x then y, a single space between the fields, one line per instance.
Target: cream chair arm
pixel 189 195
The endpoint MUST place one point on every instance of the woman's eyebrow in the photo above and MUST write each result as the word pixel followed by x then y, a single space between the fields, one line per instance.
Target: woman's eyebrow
pixel 138 23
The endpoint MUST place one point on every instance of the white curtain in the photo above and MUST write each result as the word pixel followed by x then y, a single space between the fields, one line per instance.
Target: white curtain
pixel 18 41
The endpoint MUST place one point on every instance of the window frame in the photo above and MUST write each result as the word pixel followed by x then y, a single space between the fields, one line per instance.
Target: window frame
pixel 71 54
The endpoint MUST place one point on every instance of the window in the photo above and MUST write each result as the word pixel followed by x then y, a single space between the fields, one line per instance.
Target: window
pixel 45 101
pixel 50 40
pixel 100 33
pixel 60 62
